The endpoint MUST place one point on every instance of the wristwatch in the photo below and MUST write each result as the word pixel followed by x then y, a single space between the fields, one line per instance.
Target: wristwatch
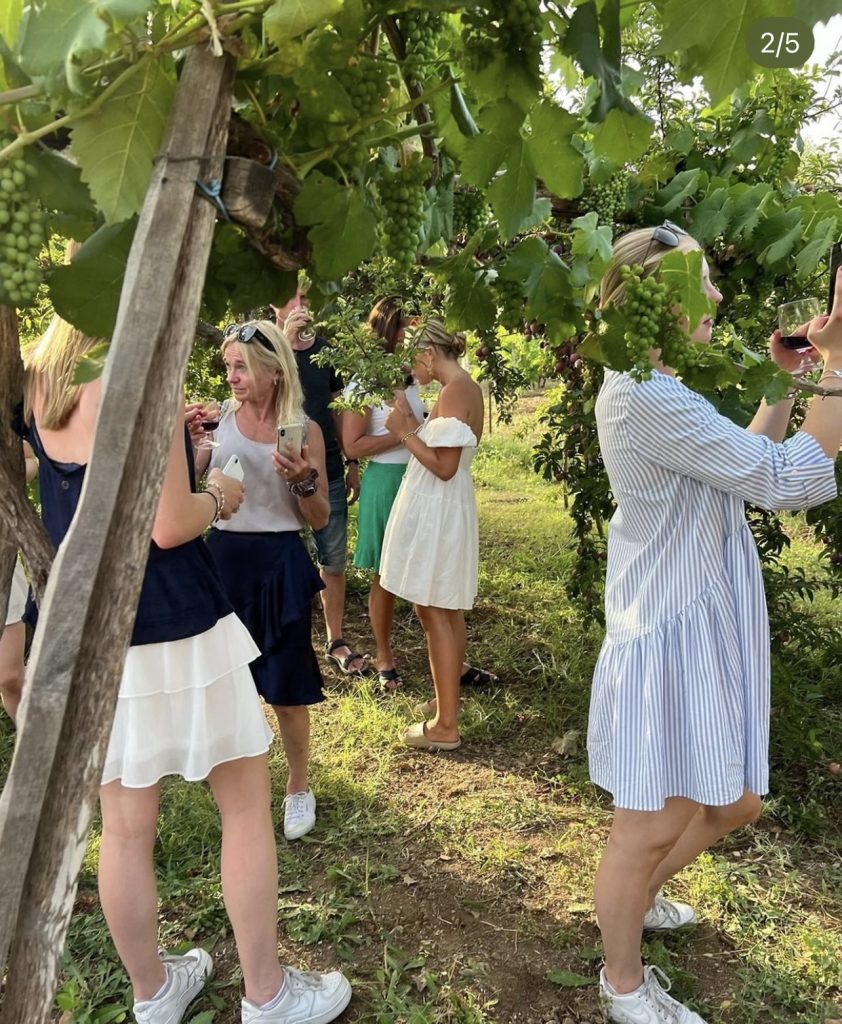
pixel 307 487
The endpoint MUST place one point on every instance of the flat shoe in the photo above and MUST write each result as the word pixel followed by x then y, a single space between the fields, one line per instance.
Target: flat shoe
pixel 416 736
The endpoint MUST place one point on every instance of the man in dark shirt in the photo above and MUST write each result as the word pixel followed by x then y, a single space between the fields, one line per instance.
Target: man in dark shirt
pixel 321 384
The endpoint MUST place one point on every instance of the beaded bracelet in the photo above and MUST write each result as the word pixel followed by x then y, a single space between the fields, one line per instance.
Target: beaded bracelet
pixel 218 496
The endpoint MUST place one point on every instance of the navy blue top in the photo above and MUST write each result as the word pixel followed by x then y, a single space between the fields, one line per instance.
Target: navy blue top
pixel 320 384
pixel 181 595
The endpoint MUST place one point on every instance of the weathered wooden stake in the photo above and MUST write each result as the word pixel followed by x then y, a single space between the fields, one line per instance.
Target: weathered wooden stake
pixel 91 598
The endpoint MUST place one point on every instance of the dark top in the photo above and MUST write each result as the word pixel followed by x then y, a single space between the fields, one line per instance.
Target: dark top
pixel 320 384
pixel 181 595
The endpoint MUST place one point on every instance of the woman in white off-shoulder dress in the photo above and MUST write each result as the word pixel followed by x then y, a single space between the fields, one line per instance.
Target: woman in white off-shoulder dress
pixel 431 546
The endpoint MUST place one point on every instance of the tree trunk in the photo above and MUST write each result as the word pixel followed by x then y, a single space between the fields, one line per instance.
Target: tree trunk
pixel 91 599
pixel 22 527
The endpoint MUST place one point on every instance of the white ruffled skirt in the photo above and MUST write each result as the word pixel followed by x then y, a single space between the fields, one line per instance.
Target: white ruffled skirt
pixel 186 706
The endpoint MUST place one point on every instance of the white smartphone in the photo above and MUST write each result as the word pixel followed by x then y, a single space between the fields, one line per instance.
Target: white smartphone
pixel 233 467
pixel 290 433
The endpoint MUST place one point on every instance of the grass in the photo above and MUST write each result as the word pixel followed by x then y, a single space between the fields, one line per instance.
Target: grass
pixel 457 888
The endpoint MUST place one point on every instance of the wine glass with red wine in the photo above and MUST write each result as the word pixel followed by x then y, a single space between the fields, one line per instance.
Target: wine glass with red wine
pixel 791 316
pixel 209 423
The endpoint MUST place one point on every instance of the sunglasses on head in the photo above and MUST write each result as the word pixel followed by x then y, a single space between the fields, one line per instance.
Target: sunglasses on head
pixel 668 234
pixel 248 334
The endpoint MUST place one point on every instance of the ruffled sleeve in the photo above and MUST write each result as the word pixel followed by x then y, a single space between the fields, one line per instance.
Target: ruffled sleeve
pixel 448 432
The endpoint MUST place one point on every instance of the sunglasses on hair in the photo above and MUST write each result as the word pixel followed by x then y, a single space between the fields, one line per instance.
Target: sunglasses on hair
pixel 667 234
pixel 248 334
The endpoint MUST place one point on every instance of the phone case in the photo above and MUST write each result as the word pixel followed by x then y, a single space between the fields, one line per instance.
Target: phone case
pixel 233 467
pixel 835 263
pixel 292 433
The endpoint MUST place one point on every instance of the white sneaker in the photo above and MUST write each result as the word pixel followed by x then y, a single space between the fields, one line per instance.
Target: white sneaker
pixel 306 998
pixel 299 814
pixel 186 977
pixel 649 1004
pixel 664 915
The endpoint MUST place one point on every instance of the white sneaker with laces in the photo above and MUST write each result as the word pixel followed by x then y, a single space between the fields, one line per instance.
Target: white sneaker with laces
pixel 299 814
pixel 186 977
pixel 306 998
pixel 649 1004
pixel 665 915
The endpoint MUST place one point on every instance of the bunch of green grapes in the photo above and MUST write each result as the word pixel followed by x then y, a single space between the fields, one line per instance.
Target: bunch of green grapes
pixel 775 169
pixel 511 26
pixel 403 193
pixel 368 84
pixel 610 198
pixel 469 211
pixel 22 231
pixel 520 27
pixel 509 302
pixel 420 30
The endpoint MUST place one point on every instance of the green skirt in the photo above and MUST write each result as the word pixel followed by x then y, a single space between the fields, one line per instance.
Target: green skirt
pixel 378 489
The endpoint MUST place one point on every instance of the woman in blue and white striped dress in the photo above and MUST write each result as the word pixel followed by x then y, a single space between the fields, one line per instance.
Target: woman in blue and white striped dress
pixel 679 718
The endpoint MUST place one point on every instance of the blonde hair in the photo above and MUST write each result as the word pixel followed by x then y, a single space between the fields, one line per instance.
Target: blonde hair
pixel 50 364
pixel 637 247
pixel 280 359
pixel 432 331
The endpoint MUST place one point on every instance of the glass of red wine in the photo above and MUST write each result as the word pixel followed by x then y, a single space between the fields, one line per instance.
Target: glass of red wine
pixel 791 316
pixel 209 423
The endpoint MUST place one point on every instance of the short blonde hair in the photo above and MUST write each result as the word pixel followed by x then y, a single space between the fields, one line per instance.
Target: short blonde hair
pixel 431 331
pixel 50 365
pixel 637 247
pixel 280 359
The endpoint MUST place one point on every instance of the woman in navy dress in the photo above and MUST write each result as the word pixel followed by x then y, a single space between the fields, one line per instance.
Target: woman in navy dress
pixel 261 557
pixel 679 719
pixel 186 707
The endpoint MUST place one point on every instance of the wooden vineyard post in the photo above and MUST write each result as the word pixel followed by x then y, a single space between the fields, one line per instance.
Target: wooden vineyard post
pixel 91 598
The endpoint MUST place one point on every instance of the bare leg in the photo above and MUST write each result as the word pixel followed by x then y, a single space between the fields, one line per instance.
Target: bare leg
pixel 707 826
pixel 250 871
pixel 638 843
pixel 127 882
pixel 445 653
pixel 294 723
pixel 333 605
pixel 12 643
pixel 381 611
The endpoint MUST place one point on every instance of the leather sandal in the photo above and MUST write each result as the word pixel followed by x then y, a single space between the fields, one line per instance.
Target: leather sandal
pixel 343 663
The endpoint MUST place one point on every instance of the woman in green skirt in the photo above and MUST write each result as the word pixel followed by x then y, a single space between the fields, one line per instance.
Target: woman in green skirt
pixel 364 436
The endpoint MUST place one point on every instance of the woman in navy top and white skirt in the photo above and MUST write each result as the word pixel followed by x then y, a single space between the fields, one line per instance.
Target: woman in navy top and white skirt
pixel 187 706
pixel 263 561
pixel 679 719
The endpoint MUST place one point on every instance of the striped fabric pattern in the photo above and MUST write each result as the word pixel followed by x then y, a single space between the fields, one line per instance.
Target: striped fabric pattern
pixel 680 698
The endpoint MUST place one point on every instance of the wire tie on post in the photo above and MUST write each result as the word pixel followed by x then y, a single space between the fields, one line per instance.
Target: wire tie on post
pixel 212 191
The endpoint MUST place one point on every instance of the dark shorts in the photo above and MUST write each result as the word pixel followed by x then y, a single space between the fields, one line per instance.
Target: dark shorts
pixel 331 542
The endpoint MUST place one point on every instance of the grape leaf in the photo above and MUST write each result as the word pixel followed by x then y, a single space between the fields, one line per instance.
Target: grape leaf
pixel 11 12
pixel 286 19
pixel 812 11
pixel 86 292
pixel 623 136
pixel 748 207
pixel 57 184
pixel 344 227
pixel 682 273
pixel 469 304
pixel 557 161
pixel 682 185
pixel 817 248
pixel 600 61
pixel 115 146
pixel 484 153
pixel 568 979
pixel 512 196
pixel 607 344
pixel 711 217
pixel 775 239
pixel 712 37
pixel 542 276
pixel 504 79
pixel 90 365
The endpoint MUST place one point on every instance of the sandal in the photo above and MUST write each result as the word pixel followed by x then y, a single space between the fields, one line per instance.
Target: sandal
pixel 416 736
pixel 389 679
pixel 429 708
pixel 343 663
pixel 478 677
